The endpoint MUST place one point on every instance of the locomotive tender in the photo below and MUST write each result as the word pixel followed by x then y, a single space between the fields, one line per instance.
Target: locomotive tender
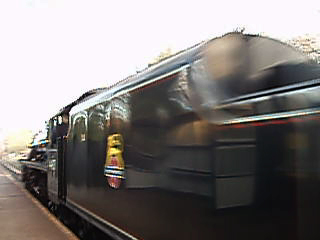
pixel 216 142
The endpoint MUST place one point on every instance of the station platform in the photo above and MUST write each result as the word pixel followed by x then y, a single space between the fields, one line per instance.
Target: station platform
pixel 23 217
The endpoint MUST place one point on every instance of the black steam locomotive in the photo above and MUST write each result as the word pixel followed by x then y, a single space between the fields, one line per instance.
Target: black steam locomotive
pixel 219 141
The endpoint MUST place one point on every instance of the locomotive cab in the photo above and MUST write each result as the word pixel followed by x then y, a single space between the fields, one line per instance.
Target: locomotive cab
pixel 58 127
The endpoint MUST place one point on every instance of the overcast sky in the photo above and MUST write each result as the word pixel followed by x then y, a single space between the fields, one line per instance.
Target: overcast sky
pixel 52 51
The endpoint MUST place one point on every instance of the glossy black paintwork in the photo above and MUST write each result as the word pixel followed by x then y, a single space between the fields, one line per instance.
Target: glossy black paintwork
pixel 188 176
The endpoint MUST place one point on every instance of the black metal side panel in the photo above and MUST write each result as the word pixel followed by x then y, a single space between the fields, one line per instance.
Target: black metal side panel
pixel 56 172
pixel 53 175
pixel 62 190
pixel 178 167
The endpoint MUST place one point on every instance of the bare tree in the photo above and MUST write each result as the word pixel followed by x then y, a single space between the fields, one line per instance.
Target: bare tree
pixel 307 44
pixel 162 55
